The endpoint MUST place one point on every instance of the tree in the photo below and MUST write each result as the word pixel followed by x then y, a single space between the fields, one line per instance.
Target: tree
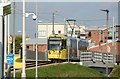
pixel 18 41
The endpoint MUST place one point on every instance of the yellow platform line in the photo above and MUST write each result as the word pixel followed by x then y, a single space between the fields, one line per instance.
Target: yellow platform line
pixel 17 62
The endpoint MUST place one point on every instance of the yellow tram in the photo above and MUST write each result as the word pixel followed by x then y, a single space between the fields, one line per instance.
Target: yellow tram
pixel 58 47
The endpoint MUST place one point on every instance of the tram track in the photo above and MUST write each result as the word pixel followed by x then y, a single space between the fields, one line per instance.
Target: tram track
pixel 31 64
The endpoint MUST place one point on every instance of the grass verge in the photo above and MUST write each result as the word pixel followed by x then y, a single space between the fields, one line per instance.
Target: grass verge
pixel 64 70
pixel 115 72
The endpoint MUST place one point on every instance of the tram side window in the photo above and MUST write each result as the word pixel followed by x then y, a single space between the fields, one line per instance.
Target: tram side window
pixel 64 44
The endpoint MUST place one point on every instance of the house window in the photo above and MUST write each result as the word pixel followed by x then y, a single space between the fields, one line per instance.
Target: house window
pixel 27 47
pixel 89 34
pixel 41 33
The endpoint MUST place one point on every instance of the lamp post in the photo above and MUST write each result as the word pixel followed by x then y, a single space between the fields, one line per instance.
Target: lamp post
pixel 36 46
pixel 107 11
pixel 34 18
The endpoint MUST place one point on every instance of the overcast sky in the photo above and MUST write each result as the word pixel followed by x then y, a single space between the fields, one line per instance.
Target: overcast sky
pixel 67 0
pixel 86 13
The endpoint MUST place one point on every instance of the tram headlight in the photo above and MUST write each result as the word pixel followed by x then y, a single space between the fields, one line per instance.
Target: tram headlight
pixel 59 52
pixel 49 52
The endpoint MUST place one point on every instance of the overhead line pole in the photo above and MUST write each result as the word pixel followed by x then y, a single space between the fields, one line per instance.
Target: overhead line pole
pixel 72 28
pixel 8 34
pixel 23 43
pixel 53 31
pixel 36 43
pixel 113 42
pixel 107 11
pixel 14 35
pixel 9 48
pixel 107 45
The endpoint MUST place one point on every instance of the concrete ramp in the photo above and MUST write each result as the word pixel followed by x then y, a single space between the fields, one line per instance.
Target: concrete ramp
pixel 31 56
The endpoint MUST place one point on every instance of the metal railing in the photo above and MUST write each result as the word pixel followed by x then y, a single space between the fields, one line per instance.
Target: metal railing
pixel 95 57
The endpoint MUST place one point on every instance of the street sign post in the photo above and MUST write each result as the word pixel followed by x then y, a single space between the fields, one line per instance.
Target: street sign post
pixel 68 45
pixel 10 59
pixel 1 61
pixel 5 9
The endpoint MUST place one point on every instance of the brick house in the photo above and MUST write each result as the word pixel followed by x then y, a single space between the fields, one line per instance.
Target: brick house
pixel 94 36
pixel 41 42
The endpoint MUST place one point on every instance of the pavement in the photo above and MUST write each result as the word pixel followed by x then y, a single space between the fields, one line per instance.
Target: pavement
pixel 98 64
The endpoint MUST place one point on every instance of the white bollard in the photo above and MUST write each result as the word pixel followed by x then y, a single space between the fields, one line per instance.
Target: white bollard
pixel 81 63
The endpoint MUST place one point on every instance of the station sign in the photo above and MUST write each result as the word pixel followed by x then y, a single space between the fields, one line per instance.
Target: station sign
pixel 10 59
pixel 7 9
